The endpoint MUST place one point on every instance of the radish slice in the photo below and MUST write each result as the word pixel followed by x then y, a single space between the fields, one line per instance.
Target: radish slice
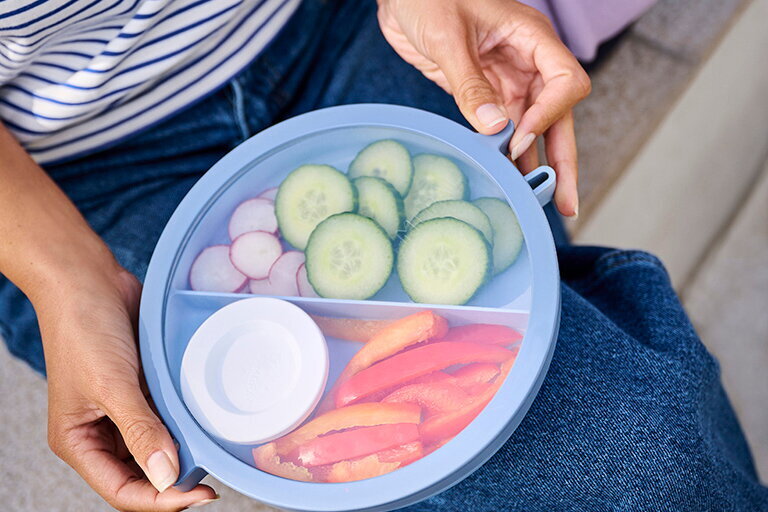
pixel 282 276
pixel 254 253
pixel 305 287
pixel 270 193
pixel 260 287
pixel 257 214
pixel 212 271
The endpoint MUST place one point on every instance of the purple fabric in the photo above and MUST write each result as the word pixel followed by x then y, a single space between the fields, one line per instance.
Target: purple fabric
pixel 584 24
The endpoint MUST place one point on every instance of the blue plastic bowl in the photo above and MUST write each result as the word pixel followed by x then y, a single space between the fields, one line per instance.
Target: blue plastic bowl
pixel 527 296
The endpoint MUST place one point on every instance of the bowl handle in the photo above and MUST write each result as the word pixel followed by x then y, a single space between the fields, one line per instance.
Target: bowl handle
pixel 500 141
pixel 542 180
pixel 189 472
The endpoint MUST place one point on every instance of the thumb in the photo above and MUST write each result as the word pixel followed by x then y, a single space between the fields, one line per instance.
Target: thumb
pixel 144 434
pixel 476 97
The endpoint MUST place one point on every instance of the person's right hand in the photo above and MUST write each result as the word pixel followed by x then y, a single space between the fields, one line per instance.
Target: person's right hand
pixel 99 420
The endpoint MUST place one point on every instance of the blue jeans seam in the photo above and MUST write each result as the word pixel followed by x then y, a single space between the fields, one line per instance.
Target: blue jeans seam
pixel 238 102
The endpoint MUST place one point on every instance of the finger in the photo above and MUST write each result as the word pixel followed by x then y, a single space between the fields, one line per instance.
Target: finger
pixel 90 450
pixel 143 433
pixel 529 160
pixel 562 155
pixel 122 488
pixel 565 84
pixel 476 97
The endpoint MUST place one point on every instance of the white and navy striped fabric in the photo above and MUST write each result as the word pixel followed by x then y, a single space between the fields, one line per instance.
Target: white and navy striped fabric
pixel 78 74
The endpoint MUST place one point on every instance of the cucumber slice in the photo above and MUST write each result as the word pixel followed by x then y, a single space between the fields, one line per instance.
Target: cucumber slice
pixel 348 257
pixel 378 200
pixel 435 178
pixel 443 261
pixel 458 209
pixel 309 195
pixel 387 159
pixel 507 235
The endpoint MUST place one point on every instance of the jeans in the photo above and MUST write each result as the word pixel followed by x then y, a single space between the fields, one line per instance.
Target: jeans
pixel 632 415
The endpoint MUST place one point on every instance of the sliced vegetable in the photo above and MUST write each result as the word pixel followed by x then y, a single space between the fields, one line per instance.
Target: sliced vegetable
pixel 260 287
pixel 360 415
pixel 267 459
pixel 400 334
pixel 387 159
pixel 441 428
pixel 457 209
pixel 349 257
pixel 408 365
pixel 257 214
pixel 212 271
pixel 376 464
pixel 355 443
pixel 446 426
pixel 474 377
pixel 282 275
pixel 443 261
pixel 490 334
pixel 508 237
pixel 253 253
pixel 435 178
pixel 352 470
pixel 350 329
pixel 309 195
pixel 305 287
pixel 433 397
pixel 270 193
pixel 404 454
pixel 379 201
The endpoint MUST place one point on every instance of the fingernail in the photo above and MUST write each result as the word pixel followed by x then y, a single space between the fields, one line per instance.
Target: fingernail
pixel 490 115
pixel 160 470
pixel 204 502
pixel 522 146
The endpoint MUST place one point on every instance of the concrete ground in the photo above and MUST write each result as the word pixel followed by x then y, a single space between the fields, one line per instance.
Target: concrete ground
pixel 724 283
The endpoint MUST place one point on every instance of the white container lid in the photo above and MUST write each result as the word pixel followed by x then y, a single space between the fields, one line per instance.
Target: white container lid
pixel 254 370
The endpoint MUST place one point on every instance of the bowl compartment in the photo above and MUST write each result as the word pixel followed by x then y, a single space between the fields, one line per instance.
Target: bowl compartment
pixel 337 147
pixel 187 310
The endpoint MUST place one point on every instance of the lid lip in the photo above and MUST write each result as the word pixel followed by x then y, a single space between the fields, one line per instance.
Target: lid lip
pixel 444 467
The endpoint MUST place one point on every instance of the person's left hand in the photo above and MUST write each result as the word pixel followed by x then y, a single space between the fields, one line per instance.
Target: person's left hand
pixel 501 60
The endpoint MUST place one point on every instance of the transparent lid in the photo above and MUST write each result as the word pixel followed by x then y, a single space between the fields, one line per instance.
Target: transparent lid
pixel 407 257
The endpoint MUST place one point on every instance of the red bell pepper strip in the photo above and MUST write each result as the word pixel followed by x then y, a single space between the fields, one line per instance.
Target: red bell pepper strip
pixel 356 443
pixel 372 465
pixel 434 397
pixel 404 454
pixel 490 334
pixel 403 333
pixel 446 426
pixel 442 428
pixel 398 335
pixel 351 329
pixel 267 459
pixel 360 415
pixel 473 377
pixel 360 469
pixel 433 377
pixel 408 365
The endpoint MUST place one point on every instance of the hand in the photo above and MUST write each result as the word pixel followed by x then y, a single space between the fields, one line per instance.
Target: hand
pixel 501 60
pixel 99 421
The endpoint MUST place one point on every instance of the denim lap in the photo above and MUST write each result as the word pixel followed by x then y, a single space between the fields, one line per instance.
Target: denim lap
pixel 631 416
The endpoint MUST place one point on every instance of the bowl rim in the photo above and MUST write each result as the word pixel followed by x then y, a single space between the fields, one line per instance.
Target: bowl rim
pixel 444 467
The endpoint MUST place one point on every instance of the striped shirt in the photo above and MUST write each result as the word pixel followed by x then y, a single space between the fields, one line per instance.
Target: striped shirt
pixel 78 74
